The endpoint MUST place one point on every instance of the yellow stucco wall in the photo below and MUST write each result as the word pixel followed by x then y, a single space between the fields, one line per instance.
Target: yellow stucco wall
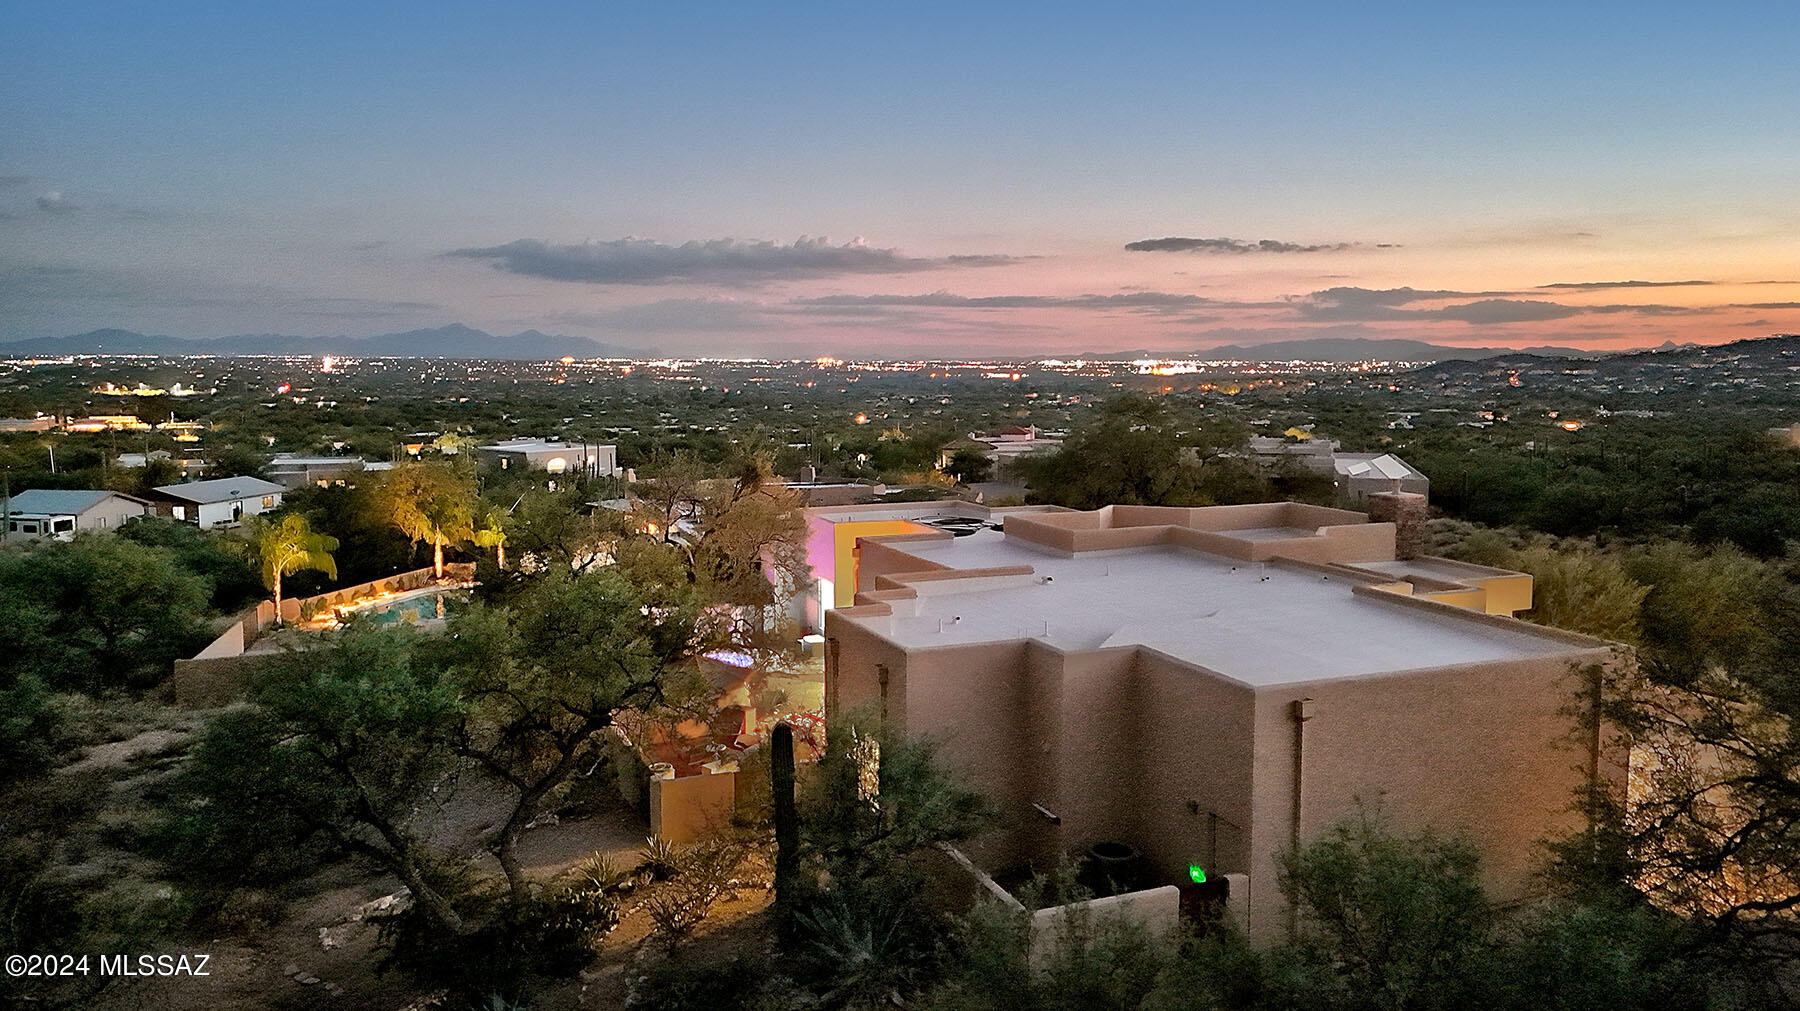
pixel 844 552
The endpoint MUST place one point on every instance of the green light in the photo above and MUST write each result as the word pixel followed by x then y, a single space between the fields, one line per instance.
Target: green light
pixel 1197 873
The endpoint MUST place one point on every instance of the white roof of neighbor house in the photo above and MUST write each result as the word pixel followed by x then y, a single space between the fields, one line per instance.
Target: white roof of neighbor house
pixel 221 489
pixel 1383 465
pixel 62 502
pixel 1262 624
pixel 530 446
pixel 282 460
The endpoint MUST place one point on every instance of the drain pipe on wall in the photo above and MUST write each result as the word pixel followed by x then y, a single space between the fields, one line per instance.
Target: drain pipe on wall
pixel 1302 711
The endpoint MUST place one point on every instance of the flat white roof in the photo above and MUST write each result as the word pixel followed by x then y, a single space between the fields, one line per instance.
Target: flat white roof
pixel 539 446
pixel 1262 624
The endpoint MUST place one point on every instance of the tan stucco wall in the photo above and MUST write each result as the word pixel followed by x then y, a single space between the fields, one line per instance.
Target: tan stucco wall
pixel 1191 741
pixel 1483 751
pixel 1119 742
pixel 688 809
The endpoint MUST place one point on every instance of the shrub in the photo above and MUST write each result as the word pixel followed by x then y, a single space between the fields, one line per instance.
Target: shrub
pixel 702 875
pixel 31 725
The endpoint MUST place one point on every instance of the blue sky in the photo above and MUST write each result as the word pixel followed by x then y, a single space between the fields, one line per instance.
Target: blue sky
pixel 204 169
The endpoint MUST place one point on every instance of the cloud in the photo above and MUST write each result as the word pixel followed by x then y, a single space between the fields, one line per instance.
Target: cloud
pixel 1384 305
pixel 1502 310
pixel 1765 305
pixel 13 182
pixel 1153 302
pixel 1178 244
pixel 1603 285
pixel 646 261
pixel 53 202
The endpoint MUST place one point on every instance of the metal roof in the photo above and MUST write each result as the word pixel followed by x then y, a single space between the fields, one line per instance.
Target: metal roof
pixel 61 502
pixel 221 489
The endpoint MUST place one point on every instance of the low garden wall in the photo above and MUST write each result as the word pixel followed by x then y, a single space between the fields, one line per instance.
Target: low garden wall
pixel 215 676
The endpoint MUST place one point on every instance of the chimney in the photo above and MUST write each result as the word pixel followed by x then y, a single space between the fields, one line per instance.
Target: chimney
pixel 1407 512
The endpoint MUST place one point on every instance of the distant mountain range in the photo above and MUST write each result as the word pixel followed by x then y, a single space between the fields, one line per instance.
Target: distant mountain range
pixel 453 341
pixel 1346 349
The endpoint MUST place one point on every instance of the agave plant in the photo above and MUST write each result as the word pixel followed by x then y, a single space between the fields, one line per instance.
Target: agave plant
pixel 660 858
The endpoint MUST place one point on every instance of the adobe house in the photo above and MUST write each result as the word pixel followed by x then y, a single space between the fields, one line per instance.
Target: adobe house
pixel 1213 686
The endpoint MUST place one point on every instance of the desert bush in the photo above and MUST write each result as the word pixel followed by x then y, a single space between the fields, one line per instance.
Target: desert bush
pixel 702 874
pixel 31 729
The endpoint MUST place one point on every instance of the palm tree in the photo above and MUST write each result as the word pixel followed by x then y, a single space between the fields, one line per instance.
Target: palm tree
pixel 492 533
pixel 291 546
pixel 432 504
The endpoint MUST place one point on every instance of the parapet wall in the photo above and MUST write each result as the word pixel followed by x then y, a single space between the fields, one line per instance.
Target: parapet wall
pixel 1312 533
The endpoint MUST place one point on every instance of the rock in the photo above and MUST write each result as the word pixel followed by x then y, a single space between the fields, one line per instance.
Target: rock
pixel 290 969
pixel 307 980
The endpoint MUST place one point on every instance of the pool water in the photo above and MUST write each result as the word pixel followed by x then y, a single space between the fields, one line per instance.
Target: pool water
pixel 424 605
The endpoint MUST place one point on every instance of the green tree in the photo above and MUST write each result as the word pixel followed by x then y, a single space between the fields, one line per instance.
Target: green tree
pixel 545 677
pixel 221 559
pixel 1403 919
pixel 432 503
pixel 97 611
pixel 490 531
pixel 969 465
pixel 345 742
pixel 289 545
pixel 1130 455
pixel 1583 590
pixel 741 540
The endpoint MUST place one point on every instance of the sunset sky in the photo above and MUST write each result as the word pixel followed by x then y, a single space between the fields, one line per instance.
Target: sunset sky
pixel 904 179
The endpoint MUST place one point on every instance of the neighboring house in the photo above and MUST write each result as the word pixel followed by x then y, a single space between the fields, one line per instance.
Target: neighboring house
pixel 61 514
pixel 1003 446
pixel 294 471
pixel 1213 686
pixel 220 502
pixel 27 424
pixel 1360 475
pixel 555 457
pixel 1355 474
pixel 833 533
pixel 190 467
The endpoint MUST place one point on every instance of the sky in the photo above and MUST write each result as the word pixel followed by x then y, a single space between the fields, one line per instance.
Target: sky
pixel 896 180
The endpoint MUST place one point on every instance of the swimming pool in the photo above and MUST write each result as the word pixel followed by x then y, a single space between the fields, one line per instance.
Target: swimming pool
pixel 421 605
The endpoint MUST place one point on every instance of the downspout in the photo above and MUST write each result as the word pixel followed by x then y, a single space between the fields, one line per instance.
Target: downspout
pixel 1302 711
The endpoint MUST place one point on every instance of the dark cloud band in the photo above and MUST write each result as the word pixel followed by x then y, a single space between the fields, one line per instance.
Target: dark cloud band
pixel 1180 244
pixel 646 261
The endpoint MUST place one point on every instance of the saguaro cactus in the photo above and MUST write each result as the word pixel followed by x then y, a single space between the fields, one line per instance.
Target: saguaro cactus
pixel 787 824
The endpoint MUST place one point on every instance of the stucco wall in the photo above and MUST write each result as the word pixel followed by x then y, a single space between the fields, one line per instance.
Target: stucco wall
pixel 1483 751
pixel 1191 742
pixel 689 809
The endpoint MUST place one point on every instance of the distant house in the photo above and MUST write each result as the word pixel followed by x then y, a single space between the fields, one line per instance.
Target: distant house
pixel 555 457
pixel 190 467
pixel 60 514
pixel 1355 474
pixel 1003 446
pixel 220 502
pixel 27 424
pixel 293 471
